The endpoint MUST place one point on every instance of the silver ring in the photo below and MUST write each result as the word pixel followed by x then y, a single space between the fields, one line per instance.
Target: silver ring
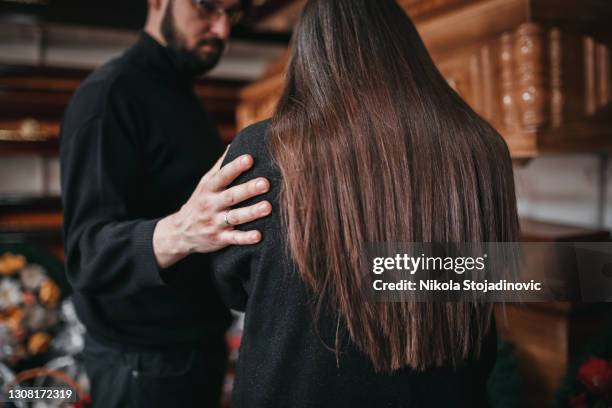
pixel 226 220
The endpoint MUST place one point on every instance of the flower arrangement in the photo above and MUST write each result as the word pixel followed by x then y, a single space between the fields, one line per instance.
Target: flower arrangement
pixel 29 301
pixel 589 384
pixel 595 376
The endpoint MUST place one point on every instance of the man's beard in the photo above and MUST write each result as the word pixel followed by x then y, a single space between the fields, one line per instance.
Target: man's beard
pixel 189 61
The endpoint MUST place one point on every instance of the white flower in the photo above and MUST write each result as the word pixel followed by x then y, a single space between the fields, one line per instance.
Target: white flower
pixel 10 294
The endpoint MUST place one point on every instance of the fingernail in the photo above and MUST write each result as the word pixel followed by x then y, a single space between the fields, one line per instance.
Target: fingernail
pixel 245 160
pixel 255 237
pixel 261 185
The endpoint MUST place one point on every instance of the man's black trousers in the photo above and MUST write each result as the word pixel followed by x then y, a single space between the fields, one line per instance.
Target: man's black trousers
pixel 170 378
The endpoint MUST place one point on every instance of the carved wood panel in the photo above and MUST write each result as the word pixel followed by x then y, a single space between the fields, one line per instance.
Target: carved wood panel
pixel 535 80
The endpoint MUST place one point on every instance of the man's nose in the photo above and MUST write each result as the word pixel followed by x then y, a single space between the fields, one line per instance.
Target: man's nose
pixel 221 27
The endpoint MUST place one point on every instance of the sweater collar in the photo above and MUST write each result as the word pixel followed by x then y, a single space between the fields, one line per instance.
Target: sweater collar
pixel 159 59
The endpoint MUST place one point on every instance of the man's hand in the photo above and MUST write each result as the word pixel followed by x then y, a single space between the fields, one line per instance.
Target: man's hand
pixel 200 225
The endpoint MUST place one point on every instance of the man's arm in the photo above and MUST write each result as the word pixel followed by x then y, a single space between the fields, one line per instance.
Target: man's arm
pixel 108 250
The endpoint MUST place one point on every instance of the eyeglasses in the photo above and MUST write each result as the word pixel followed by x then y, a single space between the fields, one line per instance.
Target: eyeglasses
pixel 211 9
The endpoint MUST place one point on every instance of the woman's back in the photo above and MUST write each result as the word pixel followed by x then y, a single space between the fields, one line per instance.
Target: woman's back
pixel 283 361
pixel 368 144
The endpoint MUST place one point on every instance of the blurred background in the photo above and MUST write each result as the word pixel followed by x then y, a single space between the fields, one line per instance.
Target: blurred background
pixel 538 70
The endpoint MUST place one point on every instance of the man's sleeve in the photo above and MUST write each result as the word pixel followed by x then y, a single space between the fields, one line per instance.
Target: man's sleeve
pixel 109 250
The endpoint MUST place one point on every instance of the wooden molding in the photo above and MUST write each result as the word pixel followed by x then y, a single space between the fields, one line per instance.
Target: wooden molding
pixel 471 24
pixel 33 100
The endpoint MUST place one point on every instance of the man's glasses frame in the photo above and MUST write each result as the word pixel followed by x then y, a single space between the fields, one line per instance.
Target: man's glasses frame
pixel 212 9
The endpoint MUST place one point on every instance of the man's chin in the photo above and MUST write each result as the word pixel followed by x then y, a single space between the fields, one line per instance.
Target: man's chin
pixel 208 62
pixel 197 63
pixel 207 53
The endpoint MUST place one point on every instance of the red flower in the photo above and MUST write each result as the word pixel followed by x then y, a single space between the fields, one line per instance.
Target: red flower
pixel 579 401
pixel 28 298
pixel 596 375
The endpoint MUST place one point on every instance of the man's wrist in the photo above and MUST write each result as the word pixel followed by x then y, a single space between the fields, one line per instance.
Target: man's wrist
pixel 168 246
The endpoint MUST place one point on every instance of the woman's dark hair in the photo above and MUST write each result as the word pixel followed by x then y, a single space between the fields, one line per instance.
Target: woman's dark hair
pixel 374 146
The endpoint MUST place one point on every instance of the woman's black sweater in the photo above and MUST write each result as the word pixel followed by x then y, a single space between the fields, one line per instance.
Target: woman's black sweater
pixel 282 361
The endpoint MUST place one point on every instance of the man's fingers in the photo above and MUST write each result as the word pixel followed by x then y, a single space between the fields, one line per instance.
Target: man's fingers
pixel 244 191
pixel 214 170
pixel 229 172
pixel 235 237
pixel 243 215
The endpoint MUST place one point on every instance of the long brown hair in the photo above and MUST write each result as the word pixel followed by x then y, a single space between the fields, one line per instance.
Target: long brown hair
pixel 374 146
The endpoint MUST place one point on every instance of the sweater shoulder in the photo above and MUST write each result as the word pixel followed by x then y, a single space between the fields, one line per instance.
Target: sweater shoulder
pixel 251 140
pixel 112 82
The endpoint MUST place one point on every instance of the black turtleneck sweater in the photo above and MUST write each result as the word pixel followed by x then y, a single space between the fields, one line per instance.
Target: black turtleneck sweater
pixel 135 141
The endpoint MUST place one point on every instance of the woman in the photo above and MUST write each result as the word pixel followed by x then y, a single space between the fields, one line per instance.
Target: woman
pixel 368 144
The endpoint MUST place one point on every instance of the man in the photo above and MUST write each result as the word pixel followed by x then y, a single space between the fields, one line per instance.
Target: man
pixel 142 213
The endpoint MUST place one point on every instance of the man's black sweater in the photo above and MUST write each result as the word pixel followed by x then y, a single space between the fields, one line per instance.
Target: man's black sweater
pixel 134 143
